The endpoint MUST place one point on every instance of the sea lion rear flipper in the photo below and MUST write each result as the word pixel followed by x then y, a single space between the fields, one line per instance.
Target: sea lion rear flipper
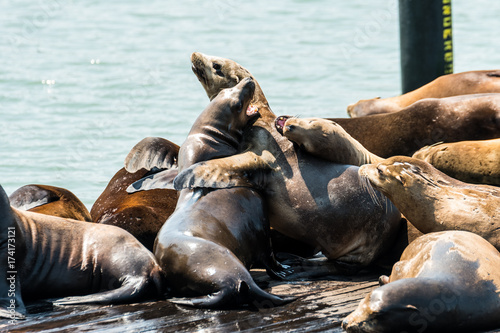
pixel 207 301
pixel 246 169
pixel 226 298
pixel 152 152
pixel 128 292
pixel 31 196
pixel 160 180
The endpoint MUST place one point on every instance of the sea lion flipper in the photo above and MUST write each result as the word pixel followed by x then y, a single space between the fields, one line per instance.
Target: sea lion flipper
pixel 31 196
pixel 246 169
pixel 126 293
pixel 152 152
pixel 278 271
pixel 163 179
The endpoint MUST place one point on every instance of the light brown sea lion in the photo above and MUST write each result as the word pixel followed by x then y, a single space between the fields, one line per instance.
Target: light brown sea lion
pixel 444 282
pixel 43 256
pixel 49 200
pixel 425 122
pixel 211 240
pixel 323 204
pixel 433 201
pixel 475 82
pixel 140 213
pixel 325 139
pixel 469 161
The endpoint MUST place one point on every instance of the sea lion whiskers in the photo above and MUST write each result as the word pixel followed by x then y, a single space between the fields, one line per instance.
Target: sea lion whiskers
pixel 365 183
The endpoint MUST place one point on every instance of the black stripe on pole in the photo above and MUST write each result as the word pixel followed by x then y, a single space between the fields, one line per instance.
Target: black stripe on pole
pixel 426 41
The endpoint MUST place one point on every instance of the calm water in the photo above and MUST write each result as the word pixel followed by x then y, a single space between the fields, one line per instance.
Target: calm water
pixel 82 82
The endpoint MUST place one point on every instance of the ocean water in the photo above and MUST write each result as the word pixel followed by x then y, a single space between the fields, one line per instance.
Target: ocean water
pixel 82 82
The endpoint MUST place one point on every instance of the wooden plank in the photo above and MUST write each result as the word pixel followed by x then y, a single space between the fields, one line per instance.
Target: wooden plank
pixel 321 306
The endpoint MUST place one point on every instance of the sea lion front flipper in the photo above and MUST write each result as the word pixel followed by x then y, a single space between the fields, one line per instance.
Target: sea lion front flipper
pixel 277 270
pixel 163 179
pixel 152 152
pixel 247 169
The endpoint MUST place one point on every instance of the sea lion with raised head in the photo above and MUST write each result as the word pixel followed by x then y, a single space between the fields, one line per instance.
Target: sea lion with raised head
pixel 323 204
pixel 325 139
pixel 474 82
pixel 45 256
pixel 444 282
pixel 49 200
pixel 433 201
pixel 469 161
pixel 214 236
pixel 140 213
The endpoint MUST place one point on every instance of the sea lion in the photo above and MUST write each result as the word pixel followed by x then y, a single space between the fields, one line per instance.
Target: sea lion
pixel 140 213
pixel 425 122
pixel 475 82
pixel 325 139
pixel 49 200
pixel 469 161
pixel 323 204
pixel 444 282
pixel 211 240
pixel 433 201
pixel 45 256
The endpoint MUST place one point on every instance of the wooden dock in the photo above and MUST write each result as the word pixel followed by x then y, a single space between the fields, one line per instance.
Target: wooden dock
pixel 321 307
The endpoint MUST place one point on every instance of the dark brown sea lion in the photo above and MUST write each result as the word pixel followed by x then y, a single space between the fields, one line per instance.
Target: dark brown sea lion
pixel 428 121
pixel 475 82
pixel 49 200
pixel 444 282
pixel 433 201
pixel 325 139
pixel 320 203
pixel 44 256
pixel 214 236
pixel 140 213
pixel 469 161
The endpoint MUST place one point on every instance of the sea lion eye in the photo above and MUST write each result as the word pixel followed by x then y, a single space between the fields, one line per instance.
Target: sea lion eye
pixel 216 66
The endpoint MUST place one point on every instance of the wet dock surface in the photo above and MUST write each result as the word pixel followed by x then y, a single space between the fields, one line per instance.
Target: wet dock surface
pixel 322 305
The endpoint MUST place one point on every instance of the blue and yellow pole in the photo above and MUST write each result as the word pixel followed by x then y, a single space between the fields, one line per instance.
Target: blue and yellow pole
pixel 426 41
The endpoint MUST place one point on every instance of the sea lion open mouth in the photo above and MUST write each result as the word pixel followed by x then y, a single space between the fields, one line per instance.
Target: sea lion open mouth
pixel 252 110
pixel 279 123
